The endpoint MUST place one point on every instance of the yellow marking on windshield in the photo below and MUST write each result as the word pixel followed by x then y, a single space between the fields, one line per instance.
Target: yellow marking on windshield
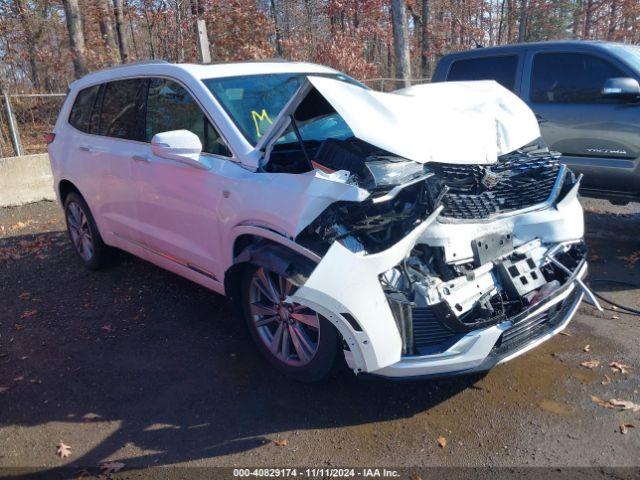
pixel 261 121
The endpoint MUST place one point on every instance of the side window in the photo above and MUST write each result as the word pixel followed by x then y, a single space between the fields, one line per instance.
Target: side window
pixel 570 78
pixel 80 116
pixel 170 107
pixel 502 69
pixel 122 109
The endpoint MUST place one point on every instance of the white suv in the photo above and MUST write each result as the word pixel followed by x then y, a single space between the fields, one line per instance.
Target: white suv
pixel 415 233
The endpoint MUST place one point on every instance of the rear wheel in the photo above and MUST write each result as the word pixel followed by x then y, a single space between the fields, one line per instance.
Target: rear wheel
pixel 83 232
pixel 293 338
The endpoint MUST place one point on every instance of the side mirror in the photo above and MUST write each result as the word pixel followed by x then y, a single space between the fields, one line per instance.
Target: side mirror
pixel 180 145
pixel 621 88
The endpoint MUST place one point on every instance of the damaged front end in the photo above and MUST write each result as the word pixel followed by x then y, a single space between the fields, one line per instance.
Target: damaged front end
pixel 472 265
pixel 446 266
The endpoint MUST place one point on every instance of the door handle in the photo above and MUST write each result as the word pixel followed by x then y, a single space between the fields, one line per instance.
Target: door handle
pixel 87 148
pixel 141 158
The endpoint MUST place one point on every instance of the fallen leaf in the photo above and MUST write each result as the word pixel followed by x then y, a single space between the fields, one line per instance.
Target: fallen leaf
pixel 624 428
pixel 36 380
pixel 3 389
pixel 107 328
pixel 28 313
pixel 18 327
pixel 625 405
pixel 613 307
pixel 590 364
pixel 63 450
pixel 615 317
pixel 111 467
pixel 566 334
pixel 607 380
pixel 84 473
pixel 587 348
pixel 19 378
pixel 415 476
pixel 281 442
pixel 598 401
pixel 619 367
pixel 25 296
pixel 442 441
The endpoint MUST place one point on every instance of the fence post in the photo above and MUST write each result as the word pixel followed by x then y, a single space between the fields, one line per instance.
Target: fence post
pixel 13 127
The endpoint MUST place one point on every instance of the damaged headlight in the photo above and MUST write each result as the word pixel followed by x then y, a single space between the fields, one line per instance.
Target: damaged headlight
pixel 388 171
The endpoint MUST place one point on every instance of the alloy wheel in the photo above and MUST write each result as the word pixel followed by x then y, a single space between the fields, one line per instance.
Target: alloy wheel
pixel 291 332
pixel 80 231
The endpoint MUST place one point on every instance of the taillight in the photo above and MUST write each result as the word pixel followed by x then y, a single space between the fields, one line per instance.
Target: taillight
pixel 50 137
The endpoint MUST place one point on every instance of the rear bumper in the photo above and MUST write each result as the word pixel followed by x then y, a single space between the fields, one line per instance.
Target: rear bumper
pixel 481 350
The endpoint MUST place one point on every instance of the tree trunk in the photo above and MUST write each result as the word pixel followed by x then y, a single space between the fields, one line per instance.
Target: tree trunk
pixel 76 37
pixel 123 42
pixel 401 41
pixel 522 27
pixel 106 29
pixel 425 57
pixel 588 19
pixel 276 26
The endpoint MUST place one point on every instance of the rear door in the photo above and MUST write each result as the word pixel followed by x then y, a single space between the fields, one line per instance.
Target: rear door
pixel 503 68
pixel 597 137
pixel 117 145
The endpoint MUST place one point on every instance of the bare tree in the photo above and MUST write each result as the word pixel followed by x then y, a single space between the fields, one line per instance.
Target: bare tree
pixel 522 27
pixel 106 28
pixel 76 37
pixel 401 40
pixel 123 41
pixel 425 53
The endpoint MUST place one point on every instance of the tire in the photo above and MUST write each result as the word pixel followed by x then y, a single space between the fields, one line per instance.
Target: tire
pixel 311 355
pixel 83 233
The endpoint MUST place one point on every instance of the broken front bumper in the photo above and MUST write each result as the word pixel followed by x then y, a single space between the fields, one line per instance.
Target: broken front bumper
pixel 480 350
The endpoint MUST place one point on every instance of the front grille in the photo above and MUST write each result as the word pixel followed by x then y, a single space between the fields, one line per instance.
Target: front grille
pixel 523 180
pixel 526 331
pixel 427 329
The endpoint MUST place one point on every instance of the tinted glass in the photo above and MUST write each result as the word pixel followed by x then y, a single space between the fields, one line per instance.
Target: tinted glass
pixel 501 69
pixel 81 110
pixel 170 107
pixel 254 101
pixel 570 78
pixel 123 109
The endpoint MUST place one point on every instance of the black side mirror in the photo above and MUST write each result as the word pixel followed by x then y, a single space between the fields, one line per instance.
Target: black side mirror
pixel 621 88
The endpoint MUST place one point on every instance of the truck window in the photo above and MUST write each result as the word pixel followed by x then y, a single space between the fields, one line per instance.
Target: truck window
pixel 570 77
pixel 502 69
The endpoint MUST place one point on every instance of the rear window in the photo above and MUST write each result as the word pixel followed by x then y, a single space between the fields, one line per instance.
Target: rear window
pixel 502 69
pixel 80 116
pixel 122 113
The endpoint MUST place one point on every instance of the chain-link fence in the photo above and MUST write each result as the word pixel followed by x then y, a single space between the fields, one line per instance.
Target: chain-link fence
pixel 25 121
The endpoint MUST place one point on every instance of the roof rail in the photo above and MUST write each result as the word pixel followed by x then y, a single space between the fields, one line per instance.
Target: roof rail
pixel 139 62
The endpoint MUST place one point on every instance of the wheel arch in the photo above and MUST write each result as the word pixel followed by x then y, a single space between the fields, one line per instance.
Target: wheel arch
pixel 279 254
pixel 65 187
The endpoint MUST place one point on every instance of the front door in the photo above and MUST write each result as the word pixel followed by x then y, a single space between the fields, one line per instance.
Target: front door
pixel 597 137
pixel 177 207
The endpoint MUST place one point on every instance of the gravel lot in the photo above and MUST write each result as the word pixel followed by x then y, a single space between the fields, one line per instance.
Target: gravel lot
pixel 137 365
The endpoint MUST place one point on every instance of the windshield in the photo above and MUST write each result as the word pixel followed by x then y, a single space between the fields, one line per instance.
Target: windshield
pixel 628 53
pixel 254 101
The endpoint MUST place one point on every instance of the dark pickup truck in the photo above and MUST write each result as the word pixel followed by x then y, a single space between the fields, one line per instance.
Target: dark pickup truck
pixel 586 97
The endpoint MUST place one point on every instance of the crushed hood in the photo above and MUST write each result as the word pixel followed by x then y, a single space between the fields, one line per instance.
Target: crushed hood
pixel 452 122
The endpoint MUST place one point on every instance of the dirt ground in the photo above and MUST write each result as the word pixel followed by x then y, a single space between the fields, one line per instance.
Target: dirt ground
pixel 136 365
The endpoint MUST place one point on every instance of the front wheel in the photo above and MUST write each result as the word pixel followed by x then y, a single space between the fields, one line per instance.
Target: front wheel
pixel 293 338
